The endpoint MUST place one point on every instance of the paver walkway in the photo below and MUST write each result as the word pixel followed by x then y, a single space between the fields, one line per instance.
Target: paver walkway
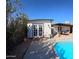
pixel 22 48
pixel 40 50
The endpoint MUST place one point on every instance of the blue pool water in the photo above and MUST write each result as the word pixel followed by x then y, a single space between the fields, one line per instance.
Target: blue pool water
pixel 64 50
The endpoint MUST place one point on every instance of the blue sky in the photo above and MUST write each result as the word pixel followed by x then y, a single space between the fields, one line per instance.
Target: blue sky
pixel 59 10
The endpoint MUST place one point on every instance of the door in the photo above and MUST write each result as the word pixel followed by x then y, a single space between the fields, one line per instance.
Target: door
pixel 37 30
pixel 40 30
pixel 34 30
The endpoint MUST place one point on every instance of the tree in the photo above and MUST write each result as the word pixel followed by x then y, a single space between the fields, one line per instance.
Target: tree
pixel 12 6
pixel 21 25
pixel 14 35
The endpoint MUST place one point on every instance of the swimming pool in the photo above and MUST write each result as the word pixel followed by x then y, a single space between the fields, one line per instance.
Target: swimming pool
pixel 64 50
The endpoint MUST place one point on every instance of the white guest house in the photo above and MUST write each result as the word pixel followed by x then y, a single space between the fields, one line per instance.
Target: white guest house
pixel 39 28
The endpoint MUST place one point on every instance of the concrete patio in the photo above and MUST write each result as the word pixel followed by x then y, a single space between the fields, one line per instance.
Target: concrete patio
pixel 40 50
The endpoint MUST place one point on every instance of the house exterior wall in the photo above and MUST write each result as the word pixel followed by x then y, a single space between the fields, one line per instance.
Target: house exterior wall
pixel 63 28
pixel 46 28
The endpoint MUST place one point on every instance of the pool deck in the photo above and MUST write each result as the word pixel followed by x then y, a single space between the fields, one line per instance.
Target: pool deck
pixel 58 38
pixel 40 50
pixel 68 37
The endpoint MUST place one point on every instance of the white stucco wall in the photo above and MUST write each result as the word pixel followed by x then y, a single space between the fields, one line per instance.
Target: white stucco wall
pixel 47 29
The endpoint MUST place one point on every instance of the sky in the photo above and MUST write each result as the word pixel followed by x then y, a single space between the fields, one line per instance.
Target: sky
pixel 58 10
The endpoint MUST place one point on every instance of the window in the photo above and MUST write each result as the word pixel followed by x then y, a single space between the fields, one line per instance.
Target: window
pixel 35 30
pixel 40 30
